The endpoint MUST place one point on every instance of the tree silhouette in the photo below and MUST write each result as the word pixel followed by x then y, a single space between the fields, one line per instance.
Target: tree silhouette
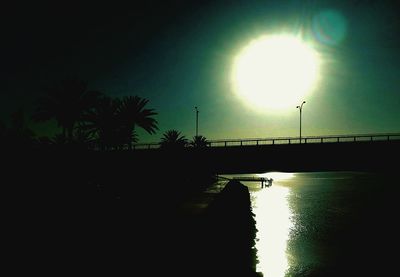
pixel 132 112
pixel 103 123
pixel 18 133
pixel 66 102
pixel 199 141
pixel 173 139
pixel 45 141
pixel 83 139
pixel 58 140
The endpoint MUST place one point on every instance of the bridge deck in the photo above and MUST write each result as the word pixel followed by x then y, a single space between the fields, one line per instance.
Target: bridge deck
pixel 289 140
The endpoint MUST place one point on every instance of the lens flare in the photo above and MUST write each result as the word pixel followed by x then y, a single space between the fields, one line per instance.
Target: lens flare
pixel 329 27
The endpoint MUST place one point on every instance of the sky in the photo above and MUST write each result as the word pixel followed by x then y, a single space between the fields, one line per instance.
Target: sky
pixel 180 54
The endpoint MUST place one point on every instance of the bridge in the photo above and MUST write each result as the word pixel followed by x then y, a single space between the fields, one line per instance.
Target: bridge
pixel 363 152
pixel 289 140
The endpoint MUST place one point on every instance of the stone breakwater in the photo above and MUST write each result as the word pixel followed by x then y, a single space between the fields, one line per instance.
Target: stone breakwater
pixel 231 232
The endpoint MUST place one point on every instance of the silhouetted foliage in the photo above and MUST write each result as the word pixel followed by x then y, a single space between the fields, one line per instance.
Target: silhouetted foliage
pixel 132 112
pixel 89 118
pixel 173 139
pixel 83 139
pixel 199 142
pixel 66 103
pixel 80 141
pixel 59 140
pixel 112 121
pixel 18 134
pixel 103 124
pixel 44 141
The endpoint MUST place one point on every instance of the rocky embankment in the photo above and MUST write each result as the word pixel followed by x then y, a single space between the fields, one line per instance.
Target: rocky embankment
pixel 231 232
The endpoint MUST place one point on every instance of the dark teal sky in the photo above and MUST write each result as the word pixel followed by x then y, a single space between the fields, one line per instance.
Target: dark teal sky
pixel 180 55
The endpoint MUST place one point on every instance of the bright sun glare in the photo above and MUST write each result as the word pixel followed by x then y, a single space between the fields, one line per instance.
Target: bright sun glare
pixel 275 72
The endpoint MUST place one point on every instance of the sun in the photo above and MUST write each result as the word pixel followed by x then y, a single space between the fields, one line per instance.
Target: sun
pixel 275 73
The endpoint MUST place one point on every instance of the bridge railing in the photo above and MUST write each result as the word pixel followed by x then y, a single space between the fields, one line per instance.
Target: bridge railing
pixel 288 140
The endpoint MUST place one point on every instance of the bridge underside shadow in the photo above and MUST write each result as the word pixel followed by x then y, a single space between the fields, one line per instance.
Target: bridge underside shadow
pixel 353 156
pixel 364 156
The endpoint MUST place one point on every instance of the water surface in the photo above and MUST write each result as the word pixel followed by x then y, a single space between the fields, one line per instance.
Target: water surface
pixel 325 223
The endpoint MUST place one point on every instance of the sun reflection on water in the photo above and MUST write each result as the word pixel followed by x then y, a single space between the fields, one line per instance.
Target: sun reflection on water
pixel 273 217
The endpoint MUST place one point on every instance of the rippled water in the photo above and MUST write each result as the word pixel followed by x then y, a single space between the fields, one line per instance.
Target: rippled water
pixel 274 222
pixel 325 223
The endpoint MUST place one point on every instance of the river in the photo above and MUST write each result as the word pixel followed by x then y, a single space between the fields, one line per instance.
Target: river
pixel 325 223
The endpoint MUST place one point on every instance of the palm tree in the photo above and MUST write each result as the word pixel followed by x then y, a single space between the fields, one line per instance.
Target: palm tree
pixel 199 141
pixel 58 140
pixel 66 102
pixel 83 139
pixel 103 123
pixel 173 139
pixel 132 112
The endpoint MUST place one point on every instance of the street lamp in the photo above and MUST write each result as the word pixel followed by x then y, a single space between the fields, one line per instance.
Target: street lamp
pixel 300 108
pixel 197 121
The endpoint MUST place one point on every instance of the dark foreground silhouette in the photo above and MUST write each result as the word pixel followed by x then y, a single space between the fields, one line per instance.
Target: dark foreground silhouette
pixel 89 212
pixel 232 232
pixel 74 211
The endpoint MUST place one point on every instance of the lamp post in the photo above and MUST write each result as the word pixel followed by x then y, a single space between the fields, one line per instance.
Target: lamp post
pixel 300 108
pixel 197 121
